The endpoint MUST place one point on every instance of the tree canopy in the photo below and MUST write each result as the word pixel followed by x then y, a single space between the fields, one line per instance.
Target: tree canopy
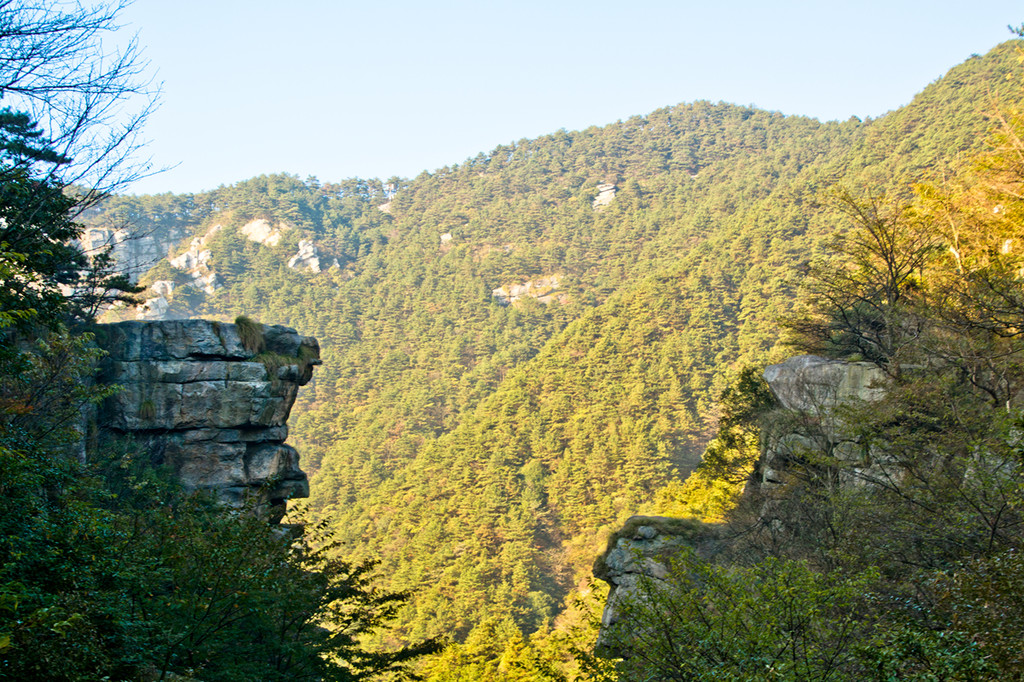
pixel 484 450
pixel 108 569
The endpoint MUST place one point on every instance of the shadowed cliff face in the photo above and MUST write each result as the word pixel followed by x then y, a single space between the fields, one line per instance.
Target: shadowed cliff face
pixel 209 406
pixel 811 392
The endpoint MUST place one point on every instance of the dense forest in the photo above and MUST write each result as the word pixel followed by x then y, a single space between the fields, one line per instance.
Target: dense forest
pixel 109 568
pixel 520 352
pixel 482 450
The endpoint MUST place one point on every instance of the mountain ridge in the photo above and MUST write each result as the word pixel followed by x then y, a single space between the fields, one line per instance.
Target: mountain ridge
pixel 512 437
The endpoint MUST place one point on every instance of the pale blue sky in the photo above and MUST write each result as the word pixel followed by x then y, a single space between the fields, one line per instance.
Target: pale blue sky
pixel 374 89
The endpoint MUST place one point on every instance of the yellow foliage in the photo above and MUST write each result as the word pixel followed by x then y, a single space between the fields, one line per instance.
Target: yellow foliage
pixel 700 497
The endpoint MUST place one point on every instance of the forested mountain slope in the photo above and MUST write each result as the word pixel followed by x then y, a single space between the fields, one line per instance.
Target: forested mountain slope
pixel 479 449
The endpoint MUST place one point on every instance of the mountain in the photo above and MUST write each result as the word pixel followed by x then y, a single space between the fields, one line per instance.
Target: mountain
pixel 521 350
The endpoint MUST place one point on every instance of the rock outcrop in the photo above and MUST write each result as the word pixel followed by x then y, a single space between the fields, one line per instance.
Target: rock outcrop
pixel 605 195
pixel 210 401
pixel 262 232
pixel 134 251
pixel 307 258
pixel 811 392
pixel 543 289
pixel 195 260
pixel 156 308
pixel 642 550
pixel 810 383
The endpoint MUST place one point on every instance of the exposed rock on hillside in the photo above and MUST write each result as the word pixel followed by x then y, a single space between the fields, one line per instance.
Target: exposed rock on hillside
pixel 308 258
pixel 196 261
pixel 810 390
pixel 206 405
pixel 134 253
pixel 162 287
pixel 543 289
pixel 262 232
pixel 642 551
pixel 156 308
pixel 605 195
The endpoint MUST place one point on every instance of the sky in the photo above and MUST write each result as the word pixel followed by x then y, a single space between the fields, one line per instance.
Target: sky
pixel 376 89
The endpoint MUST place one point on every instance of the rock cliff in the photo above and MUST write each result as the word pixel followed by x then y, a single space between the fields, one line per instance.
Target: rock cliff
pixel 210 401
pixel 810 383
pixel 641 550
pixel 135 251
pixel 810 391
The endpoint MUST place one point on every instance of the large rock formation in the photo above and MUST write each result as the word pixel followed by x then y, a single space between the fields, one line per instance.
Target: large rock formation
pixel 196 261
pixel 209 405
pixel 811 392
pixel 135 251
pixel 642 550
pixel 810 383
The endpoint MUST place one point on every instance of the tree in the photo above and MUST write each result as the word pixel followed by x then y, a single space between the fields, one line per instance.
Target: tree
pixel 44 275
pixel 862 298
pixel 976 280
pixel 66 137
pixel 91 102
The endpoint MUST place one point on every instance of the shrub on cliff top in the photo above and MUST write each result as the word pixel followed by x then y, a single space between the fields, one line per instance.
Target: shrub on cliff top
pixel 251 334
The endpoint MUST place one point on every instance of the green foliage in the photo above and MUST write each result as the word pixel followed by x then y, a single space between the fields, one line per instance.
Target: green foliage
pixel 226 599
pixel 777 620
pixel 35 238
pixel 147 409
pixel 45 278
pixel 984 598
pixel 701 496
pixel 251 334
pixel 781 620
pixel 907 653
pixel 165 271
pixel 484 451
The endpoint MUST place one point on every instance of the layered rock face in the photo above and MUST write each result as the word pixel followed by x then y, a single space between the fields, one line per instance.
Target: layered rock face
pixel 208 406
pixel 813 390
pixel 810 383
pixel 134 252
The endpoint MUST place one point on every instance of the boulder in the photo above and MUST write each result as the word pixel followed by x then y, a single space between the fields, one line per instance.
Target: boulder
pixel 809 383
